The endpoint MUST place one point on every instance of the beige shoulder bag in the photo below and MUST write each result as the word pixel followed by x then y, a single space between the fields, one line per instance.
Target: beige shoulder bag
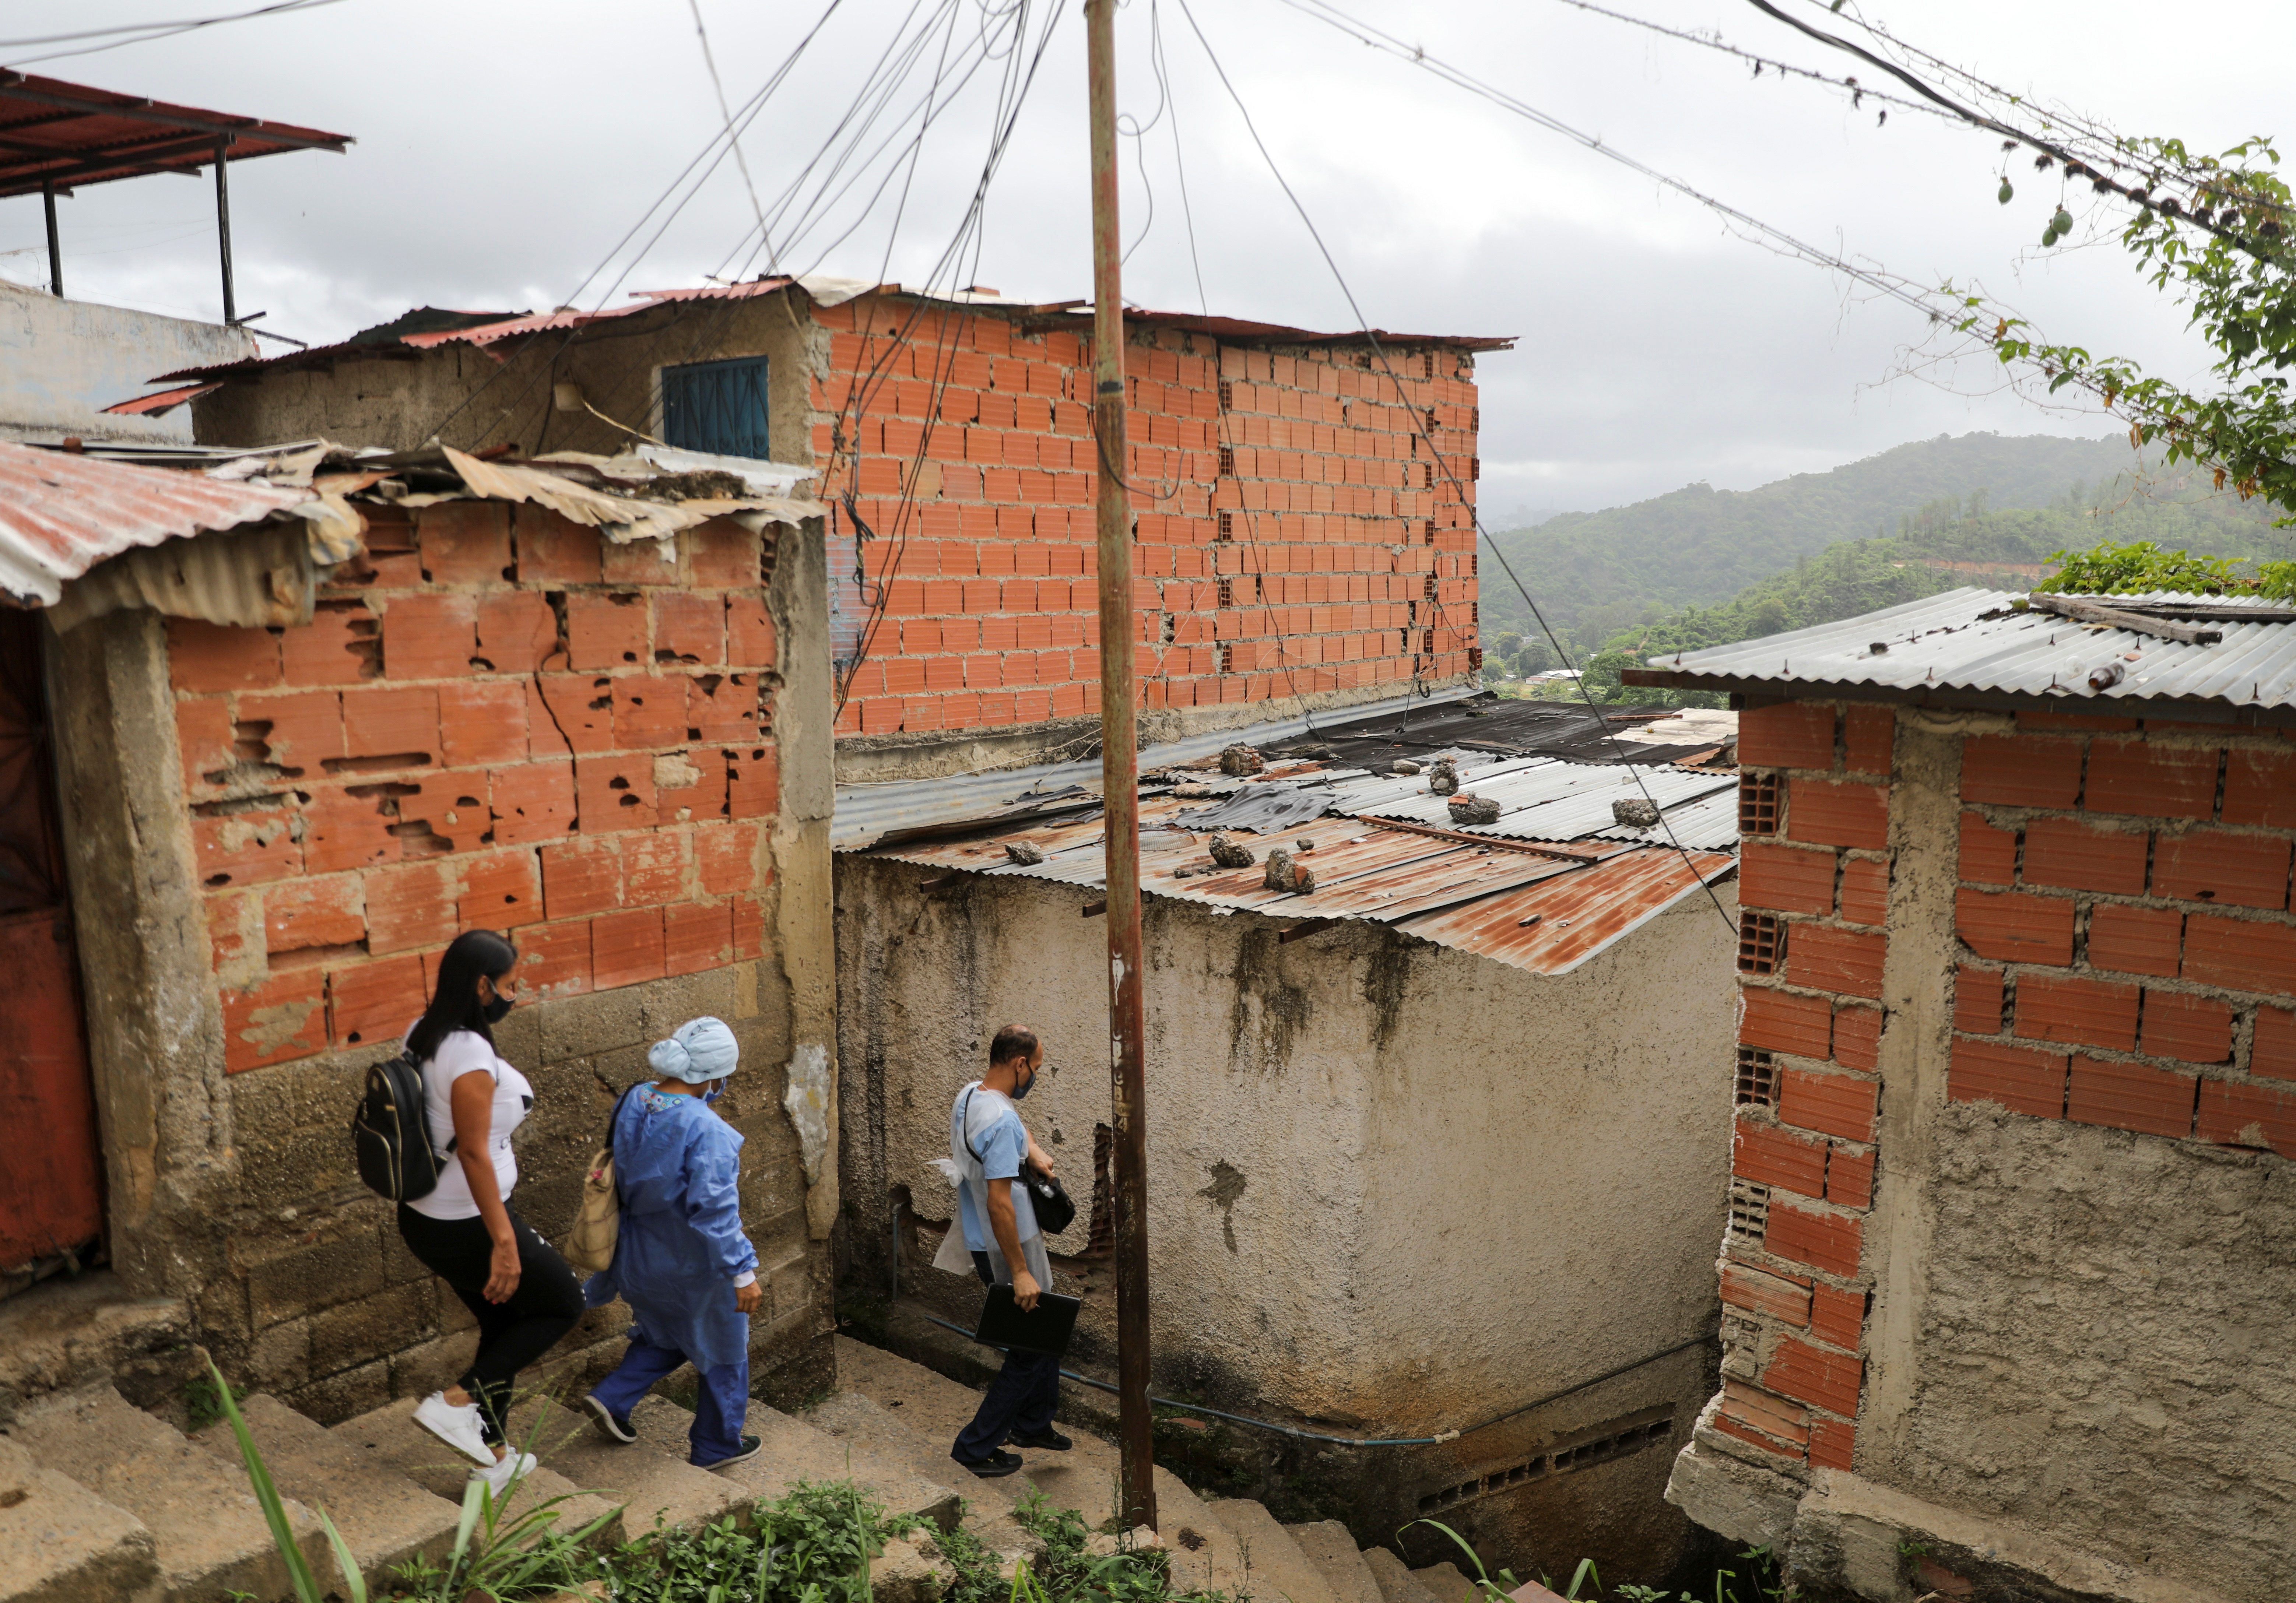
pixel 590 1244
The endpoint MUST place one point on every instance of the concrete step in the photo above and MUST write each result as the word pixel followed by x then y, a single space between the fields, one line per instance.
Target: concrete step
pixel 795 1451
pixel 1396 1583
pixel 1205 1556
pixel 208 1536
pixel 388 1436
pixel 1445 1581
pixel 1332 1550
pixel 1274 1566
pixel 385 1518
pixel 64 1545
pixel 650 1477
pixel 873 1432
pixel 934 1409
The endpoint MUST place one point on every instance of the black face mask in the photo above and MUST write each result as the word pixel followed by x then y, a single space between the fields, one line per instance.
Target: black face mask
pixel 494 1011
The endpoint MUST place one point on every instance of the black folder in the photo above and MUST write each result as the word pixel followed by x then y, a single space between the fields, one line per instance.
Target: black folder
pixel 1045 1329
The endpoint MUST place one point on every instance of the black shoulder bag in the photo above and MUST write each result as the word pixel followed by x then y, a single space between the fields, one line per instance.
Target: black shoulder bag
pixel 1056 1210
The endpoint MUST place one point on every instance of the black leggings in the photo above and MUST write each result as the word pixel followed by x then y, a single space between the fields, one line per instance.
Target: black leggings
pixel 512 1335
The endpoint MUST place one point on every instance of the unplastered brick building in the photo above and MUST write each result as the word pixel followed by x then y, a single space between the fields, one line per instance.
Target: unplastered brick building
pixel 2008 1275
pixel 1303 501
pixel 314 718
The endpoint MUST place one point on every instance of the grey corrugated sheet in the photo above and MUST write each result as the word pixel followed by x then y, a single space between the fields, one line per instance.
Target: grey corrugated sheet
pixel 1708 823
pixel 1553 800
pixel 866 812
pixel 1971 640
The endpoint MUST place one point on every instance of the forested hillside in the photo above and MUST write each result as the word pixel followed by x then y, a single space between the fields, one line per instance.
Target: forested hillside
pixel 1599 572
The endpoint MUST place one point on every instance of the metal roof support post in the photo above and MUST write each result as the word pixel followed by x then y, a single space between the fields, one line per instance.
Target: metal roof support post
pixel 55 245
pixel 223 224
pixel 1119 767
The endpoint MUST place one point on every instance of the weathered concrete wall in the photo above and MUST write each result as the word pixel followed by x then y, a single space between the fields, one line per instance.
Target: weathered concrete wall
pixel 154 1025
pixel 494 722
pixel 1394 1187
pixel 1299 544
pixel 2049 1344
pixel 62 361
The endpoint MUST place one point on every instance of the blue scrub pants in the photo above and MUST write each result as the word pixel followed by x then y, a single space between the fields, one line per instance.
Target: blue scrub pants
pixel 718 1414
pixel 1020 1399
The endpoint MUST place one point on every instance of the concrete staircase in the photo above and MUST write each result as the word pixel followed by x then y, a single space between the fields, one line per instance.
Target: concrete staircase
pixel 100 1503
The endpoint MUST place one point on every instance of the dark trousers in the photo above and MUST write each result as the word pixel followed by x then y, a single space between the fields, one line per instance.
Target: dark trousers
pixel 512 1335
pixel 1020 1400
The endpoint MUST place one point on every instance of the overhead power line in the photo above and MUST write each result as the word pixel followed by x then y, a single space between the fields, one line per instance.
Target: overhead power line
pixel 718 85
pixel 1708 40
pixel 144 32
pixel 1378 350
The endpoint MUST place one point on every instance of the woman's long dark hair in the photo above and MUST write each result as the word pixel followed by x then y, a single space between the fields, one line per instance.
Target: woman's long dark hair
pixel 455 1005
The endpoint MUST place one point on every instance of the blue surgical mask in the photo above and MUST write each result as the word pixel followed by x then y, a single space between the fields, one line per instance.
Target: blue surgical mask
pixel 713 1093
pixel 1028 1085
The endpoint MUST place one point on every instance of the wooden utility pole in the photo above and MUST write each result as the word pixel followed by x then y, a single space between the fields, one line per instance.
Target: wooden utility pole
pixel 1119 766
pixel 222 225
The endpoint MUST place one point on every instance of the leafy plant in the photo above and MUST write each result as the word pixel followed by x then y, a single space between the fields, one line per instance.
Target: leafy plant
pixel 814 1544
pixel 2220 248
pixel 203 1398
pixel 1065 1570
pixel 299 1574
pixel 2110 569
pixel 1754 1581
pixel 501 1559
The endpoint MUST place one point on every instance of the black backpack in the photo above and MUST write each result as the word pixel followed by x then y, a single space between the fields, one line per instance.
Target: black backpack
pixel 390 1136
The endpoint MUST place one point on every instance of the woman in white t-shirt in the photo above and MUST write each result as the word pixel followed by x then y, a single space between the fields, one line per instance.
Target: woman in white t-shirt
pixel 523 1294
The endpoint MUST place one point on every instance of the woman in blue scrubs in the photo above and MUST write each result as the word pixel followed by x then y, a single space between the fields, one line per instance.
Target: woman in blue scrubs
pixel 680 1260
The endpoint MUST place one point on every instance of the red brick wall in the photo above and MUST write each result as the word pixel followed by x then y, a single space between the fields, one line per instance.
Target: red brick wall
pixel 2124 905
pixel 2126 958
pixel 496 720
pixel 1295 536
pixel 1805 1135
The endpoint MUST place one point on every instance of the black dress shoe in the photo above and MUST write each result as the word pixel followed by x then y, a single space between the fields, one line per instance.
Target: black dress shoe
pixel 995 1464
pixel 1047 1441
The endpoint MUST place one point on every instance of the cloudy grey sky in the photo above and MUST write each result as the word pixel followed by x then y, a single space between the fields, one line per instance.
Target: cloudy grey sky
pixel 506 146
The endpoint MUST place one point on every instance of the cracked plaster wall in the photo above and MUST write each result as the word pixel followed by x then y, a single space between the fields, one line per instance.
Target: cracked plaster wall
pixel 1393 1187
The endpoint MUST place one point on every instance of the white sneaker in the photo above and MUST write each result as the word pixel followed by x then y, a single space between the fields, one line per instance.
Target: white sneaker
pixel 502 1476
pixel 459 1427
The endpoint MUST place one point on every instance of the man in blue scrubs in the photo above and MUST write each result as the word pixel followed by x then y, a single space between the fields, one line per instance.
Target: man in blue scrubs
pixel 987 1145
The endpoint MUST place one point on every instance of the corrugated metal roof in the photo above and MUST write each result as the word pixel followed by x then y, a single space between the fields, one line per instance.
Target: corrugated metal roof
pixel 1385 852
pixel 1544 799
pixel 1975 642
pixel 1578 914
pixel 1708 824
pixel 1473 897
pixel 62 514
pixel 60 134
pixel 869 812
pixel 1245 330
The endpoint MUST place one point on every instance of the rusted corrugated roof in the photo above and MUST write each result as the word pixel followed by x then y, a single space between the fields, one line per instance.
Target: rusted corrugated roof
pixel 1244 331
pixel 1458 892
pixel 426 329
pixel 65 135
pixel 1578 913
pixel 62 514
pixel 161 401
